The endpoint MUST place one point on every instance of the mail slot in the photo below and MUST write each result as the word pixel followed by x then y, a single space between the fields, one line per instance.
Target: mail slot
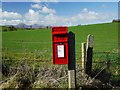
pixel 60 45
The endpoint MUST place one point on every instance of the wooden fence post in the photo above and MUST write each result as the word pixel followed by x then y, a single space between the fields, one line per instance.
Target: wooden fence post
pixel 89 50
pixel 72 62
pixel 83 57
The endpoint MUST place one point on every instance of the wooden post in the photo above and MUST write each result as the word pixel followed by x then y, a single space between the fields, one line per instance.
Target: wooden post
pixel 1 55
pixel 83 57
pixel 89 50
pixel 72 62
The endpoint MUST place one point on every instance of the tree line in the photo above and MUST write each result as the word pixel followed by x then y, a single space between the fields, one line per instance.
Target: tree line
pixel 8 28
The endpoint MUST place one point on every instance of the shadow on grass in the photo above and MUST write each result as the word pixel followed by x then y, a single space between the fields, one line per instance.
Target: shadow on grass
pixel 106 77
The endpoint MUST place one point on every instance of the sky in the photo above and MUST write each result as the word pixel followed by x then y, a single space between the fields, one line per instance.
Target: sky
pixel 60 0
pixel 57 13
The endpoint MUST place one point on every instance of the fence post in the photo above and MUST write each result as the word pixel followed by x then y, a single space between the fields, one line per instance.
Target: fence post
pixel 89 50
pixel 72 62
pixel 83 57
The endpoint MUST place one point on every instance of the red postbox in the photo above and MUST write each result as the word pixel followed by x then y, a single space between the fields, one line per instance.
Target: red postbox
pixel 60 45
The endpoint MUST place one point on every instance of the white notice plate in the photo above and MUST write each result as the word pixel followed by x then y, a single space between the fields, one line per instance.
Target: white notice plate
pixel 60 49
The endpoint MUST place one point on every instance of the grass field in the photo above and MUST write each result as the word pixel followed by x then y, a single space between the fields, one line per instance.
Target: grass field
pixel 105 38
pixel 30 50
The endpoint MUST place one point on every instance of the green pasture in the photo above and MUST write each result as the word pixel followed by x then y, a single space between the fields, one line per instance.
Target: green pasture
pixel 105 39
pixel 27 39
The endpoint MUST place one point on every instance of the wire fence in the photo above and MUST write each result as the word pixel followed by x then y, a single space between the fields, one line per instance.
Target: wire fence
pixel 105 65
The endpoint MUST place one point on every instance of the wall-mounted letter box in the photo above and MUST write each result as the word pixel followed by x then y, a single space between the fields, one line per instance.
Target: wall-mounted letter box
pixel 60 45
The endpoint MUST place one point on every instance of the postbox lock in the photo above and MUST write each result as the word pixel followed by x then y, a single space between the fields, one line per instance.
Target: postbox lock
pixel 60 43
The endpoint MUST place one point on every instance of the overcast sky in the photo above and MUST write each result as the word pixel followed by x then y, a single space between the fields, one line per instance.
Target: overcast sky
pixel 58 13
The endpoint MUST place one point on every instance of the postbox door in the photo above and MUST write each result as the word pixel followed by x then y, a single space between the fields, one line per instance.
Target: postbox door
pixel 60 51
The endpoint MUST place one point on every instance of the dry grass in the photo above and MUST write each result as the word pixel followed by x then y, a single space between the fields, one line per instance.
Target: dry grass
pixel 47 76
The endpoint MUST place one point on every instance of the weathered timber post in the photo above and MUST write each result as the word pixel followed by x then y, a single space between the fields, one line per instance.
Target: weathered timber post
pixel 89 52
pixel 83 57
pixel 108 63
pixel 72 61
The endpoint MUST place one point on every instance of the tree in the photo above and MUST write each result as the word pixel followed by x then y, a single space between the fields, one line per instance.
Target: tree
pixel 12 28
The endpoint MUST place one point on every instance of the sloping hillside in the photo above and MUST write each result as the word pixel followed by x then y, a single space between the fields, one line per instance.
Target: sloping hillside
pixel 105 36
